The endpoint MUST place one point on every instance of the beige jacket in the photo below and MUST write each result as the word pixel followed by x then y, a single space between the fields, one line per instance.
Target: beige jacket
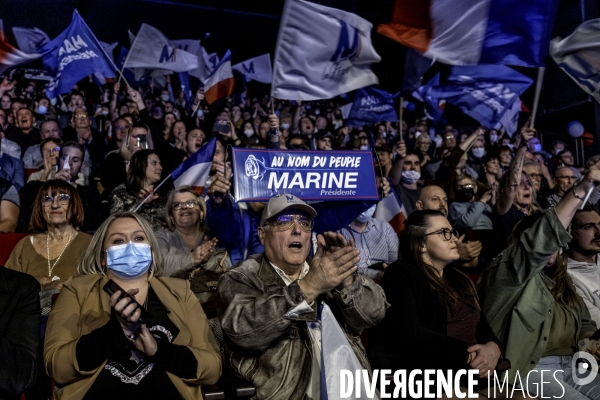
pixel 83 306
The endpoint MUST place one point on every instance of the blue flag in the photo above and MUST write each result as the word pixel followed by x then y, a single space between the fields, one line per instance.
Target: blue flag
pixel 73 55
pixel 184 80
pixel 372 106
pixel 483 92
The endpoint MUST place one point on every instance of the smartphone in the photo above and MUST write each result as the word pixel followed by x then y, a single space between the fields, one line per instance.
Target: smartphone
pixel 111 287
pixel 221 127
pixel 142 141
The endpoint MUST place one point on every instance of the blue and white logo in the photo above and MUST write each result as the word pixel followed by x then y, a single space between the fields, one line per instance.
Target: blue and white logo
pixel 347 50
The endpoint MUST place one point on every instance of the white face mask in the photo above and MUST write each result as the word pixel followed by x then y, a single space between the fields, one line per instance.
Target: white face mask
pixel 493 138
pixel 164 97
pixel 285 126
pixel 367 215
pixel 410 177
pixel 478 152
pixel 200 113
pixel 365 147
pixel 248 132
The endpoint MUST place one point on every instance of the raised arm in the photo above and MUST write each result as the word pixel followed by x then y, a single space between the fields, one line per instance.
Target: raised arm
pixel 507 195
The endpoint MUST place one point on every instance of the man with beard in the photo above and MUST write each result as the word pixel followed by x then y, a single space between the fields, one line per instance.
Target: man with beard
pixel 582 263
pixel 433 197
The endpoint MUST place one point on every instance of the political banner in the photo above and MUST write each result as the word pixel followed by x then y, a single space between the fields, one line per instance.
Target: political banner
pixel 321 52
pixel 193 46
pixel 151 49
pixel 579 56
pixel 257 69
pixel 372 106
pixel 30 40
pixel 73 55
pixel 309 175
pixel 474 32
pixel 483 92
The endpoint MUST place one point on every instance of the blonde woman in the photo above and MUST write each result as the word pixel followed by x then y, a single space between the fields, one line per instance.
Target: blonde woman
pixel 186 243
pixel 97 347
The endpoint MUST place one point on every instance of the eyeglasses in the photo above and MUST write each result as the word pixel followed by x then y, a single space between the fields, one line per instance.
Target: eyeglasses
pixel 448 233
pixel 449 137
pixel 185 205
pixel 535 176
pixel 121 127
pixel 63 199
pixel 55 149
pixel 467 186
pixel 525 184
pixel 285 222
pixel 566 178
pixel 80 116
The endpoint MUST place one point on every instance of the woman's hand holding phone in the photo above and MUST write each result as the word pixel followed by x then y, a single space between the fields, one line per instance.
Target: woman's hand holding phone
pixel 128 314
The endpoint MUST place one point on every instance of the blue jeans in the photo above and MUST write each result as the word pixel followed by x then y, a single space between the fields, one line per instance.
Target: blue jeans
pixel 558 381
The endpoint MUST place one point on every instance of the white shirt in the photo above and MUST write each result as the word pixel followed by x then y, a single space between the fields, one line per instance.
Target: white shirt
pixel 11 148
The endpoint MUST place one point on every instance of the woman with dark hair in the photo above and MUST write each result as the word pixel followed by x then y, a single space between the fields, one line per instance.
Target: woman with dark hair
pixel 169 120
pixel 145 171
pixel 435 319
pixel 490 172
pixel 532 306
pixel 114 167
pixel 50 255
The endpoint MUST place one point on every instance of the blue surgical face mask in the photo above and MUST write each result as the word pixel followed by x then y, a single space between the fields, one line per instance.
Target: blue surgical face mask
pixel 367 215
pixel 42 109
pixel 410 177
pixel 129 260
pixel 478 152
pixel 537 148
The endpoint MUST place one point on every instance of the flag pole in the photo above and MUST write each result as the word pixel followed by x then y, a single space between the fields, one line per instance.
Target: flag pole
pixel 105 53
pixel 400 119
pixel 151 193
pixel 538 90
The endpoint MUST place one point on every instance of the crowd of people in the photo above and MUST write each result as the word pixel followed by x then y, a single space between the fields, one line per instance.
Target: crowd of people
pixel 121 287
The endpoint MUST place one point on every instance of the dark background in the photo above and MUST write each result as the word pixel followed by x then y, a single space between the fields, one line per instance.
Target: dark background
pixel 249 28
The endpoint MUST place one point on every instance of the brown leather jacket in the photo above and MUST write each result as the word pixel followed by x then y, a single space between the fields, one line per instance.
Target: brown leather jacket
pixel 272 351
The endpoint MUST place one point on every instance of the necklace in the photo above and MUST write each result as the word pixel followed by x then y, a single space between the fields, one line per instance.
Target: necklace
pixel 51 267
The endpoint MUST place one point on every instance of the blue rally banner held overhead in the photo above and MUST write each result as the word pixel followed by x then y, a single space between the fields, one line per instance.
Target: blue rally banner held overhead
pixel 309 175
pixel 372 106
pixel 73 55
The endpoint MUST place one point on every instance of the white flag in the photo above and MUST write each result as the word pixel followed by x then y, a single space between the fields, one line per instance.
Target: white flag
pixel 210 62
pixel 108 48
pixel 151 49
pixel 131 37
pixel 579 56
pixel 30 41
pixel 257 69
pixel 321 52
pixel 194 47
